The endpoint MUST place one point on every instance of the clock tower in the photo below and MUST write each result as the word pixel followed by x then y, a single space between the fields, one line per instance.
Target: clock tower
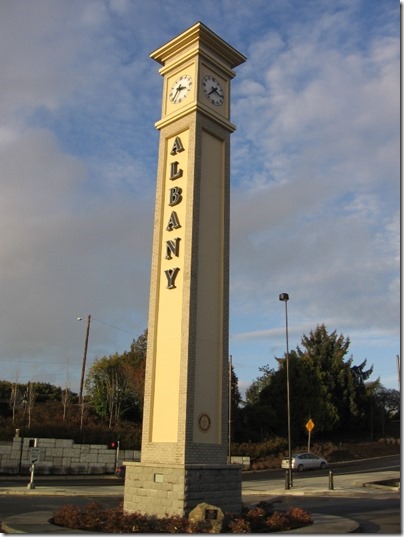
pixel 185 421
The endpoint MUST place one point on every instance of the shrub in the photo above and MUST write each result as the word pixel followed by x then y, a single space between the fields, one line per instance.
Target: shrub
pixel 278 522
pixel 259 519
pixel 239 525
pixel 68 516
pixel 299 516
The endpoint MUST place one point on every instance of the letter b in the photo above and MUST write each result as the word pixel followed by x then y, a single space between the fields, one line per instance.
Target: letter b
pixel 175 196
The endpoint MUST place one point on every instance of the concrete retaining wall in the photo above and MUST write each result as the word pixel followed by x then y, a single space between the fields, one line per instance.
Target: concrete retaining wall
pixel 62 457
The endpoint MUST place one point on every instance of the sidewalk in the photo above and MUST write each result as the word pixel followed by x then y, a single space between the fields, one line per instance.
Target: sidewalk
pixel 343 484
pixel 44 486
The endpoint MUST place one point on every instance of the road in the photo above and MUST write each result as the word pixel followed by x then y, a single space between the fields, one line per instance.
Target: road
pixel 389 462
pixel 376 511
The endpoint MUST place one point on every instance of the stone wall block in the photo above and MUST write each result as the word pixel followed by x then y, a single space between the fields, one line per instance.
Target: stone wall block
pixel 64 442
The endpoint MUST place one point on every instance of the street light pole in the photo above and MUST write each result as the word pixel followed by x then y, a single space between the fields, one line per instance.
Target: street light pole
pixel 284 297
pixel 83 369
pixel 229 402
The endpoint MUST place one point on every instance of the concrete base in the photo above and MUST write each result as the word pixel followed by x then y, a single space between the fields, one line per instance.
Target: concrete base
pixel 162 490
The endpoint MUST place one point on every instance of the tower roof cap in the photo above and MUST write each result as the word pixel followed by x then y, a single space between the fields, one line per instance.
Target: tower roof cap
pixel 198 37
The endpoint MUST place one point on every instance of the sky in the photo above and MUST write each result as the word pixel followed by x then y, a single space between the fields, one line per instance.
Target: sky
pixel 315 177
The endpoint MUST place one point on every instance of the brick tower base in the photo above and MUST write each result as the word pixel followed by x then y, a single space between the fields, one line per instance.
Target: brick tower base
pixel 175 490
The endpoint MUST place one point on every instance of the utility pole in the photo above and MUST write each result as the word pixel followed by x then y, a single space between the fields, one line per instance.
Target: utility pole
pixel 83 370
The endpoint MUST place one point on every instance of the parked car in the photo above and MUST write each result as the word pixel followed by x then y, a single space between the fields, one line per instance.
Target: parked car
pixel 304 461
pixel 120 471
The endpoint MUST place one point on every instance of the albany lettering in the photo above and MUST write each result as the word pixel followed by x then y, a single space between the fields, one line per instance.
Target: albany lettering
pixel 172 246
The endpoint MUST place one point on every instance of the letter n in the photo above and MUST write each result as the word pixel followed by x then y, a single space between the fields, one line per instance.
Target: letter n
pixel 172 247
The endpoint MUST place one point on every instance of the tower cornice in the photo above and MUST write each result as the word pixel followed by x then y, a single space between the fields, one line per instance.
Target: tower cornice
pixel 198 39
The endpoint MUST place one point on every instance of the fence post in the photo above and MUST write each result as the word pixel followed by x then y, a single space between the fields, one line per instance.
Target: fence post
pixel 330 480
pixel 287 484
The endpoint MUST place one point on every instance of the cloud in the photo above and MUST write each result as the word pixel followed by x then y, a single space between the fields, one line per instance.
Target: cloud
pixel 314 171
pixel 316 212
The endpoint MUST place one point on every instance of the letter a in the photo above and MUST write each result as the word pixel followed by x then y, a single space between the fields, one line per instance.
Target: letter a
pixel 177 146
pixel 173 222
pixel 171 275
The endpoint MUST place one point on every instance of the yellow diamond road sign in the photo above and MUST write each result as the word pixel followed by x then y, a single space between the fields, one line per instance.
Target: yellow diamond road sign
pixel 310 425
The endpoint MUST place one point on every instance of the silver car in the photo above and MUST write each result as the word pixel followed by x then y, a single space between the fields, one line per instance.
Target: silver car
pixel 304 461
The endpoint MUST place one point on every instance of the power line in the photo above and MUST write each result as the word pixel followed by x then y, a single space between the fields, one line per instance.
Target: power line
pixel 116 327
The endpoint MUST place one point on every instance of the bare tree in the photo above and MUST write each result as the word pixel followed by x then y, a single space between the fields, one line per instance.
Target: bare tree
pixel 30 396
pixel 15 395
pixel 112 393
pixel 66 395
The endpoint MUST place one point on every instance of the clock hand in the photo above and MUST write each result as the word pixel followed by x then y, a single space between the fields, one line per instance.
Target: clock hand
pixel 178 90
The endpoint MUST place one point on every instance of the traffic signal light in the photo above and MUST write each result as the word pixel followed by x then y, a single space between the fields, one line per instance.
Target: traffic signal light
pixel 113 445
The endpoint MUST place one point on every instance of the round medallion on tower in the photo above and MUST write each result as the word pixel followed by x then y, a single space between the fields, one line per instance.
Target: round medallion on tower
pixel 204 422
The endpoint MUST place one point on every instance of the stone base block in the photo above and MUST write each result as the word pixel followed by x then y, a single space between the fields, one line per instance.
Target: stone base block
pixel 176 489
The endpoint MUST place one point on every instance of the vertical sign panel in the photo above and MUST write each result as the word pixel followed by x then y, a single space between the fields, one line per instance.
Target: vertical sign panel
pixel 167 359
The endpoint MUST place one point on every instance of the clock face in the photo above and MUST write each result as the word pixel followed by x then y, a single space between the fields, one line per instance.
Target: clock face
pixel 180 89
pixel 213 90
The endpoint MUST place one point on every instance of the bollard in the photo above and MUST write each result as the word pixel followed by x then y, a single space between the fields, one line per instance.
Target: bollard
pixel 330 480
pixel 287 484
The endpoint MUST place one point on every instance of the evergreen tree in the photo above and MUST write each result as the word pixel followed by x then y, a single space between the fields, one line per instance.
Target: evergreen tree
pixel 324 386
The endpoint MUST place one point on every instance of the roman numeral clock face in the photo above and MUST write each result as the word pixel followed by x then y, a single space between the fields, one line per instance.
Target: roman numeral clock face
pixel 213 90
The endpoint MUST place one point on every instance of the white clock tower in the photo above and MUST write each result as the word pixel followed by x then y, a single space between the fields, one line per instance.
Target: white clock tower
pixel 185 421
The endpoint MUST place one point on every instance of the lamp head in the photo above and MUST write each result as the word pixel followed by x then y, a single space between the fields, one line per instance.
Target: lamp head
pixel 283 297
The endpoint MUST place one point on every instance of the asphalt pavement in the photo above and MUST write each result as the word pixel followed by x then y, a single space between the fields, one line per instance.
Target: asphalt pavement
pixel 252 492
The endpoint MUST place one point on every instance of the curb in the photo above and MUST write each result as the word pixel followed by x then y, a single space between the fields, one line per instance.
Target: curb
pixel 35 522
